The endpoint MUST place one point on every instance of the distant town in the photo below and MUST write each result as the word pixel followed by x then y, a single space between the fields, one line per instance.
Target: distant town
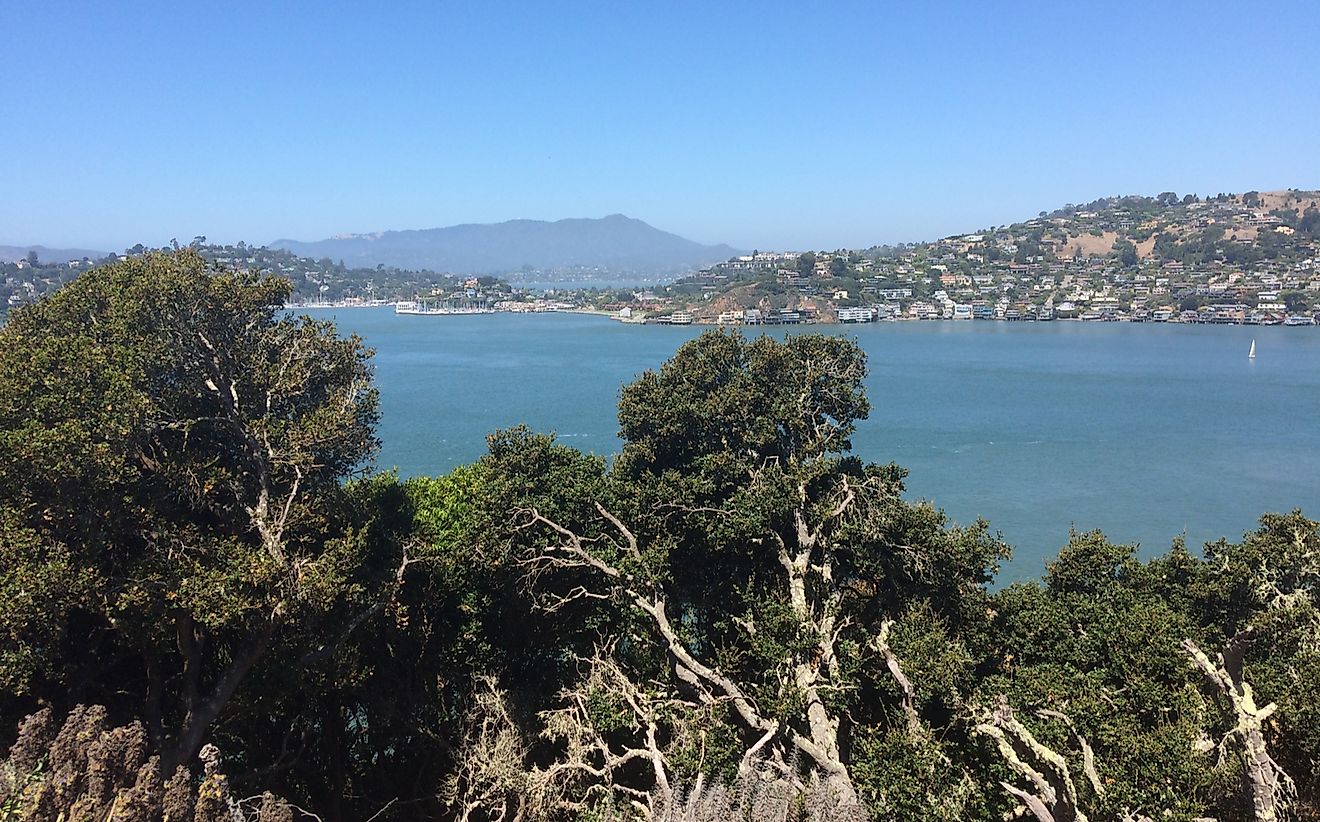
pixel 1241 259
pixel 1250 258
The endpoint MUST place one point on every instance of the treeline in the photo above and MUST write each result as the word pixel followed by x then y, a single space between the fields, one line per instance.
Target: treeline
pixel 1140 204
pixel 733 618
pixel 327 280
pixel 311 280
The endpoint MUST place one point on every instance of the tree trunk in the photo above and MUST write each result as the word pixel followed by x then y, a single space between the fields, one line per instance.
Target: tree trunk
pixel 808 673
pixel 197 723
pixel 1271 788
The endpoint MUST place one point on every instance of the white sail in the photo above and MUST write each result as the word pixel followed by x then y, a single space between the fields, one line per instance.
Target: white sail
pixel 1252 354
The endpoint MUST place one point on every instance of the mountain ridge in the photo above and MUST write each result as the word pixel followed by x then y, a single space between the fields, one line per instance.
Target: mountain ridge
pixel 12 253
pixel 615 243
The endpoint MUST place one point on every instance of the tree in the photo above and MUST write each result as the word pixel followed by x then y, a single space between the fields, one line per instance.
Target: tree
pixel 1310 222
pixel 1295 301
pixel 806 263
pixel 171 451
pixel 1259 600
pixel 1126 253
pixel 1171 729
pixel 756 571
pixel 1099 639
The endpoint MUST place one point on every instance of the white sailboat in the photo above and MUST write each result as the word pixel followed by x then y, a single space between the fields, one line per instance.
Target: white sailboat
pixel 1251 355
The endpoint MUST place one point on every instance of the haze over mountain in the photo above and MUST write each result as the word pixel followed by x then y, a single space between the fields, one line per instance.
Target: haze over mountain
pixel 616 244
pixel 11 253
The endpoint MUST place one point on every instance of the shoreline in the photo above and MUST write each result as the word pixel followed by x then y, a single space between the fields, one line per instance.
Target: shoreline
pixel 613 315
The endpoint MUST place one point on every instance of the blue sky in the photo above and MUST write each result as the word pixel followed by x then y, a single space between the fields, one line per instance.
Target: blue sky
pixel 764 125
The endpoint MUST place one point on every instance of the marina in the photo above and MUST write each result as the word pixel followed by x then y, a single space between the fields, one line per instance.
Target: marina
pixel 425 308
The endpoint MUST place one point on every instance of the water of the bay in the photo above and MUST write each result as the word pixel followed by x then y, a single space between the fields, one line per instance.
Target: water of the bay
pixel 1144 431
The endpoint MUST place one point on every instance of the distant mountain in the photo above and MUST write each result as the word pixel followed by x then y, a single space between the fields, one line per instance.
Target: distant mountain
pixel 614 244
pixel 12 253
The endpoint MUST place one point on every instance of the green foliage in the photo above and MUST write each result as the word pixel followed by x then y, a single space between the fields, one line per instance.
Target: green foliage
pixel 806 263
pixel 1101 641
pixel 1310 222
pixel 171 447
pixel 39 578
pixel 1295 301
pixel 446 507
pixel 915 778
pixel 1126 253
pixel 729 399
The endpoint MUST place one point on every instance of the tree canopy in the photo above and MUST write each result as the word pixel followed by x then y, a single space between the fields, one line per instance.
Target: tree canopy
pixel 171 452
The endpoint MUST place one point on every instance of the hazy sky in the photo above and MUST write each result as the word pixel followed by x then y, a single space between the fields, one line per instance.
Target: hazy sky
pixel 763 125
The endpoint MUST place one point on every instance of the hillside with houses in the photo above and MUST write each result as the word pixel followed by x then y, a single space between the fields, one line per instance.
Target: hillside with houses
pixel 1229 258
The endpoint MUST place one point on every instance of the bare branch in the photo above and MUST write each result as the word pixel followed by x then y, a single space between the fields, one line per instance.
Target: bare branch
pixel 1054 796
pixel 819 743
pixel 1272 789
pixel 1088 755
pixel 623 529
pixel 909 694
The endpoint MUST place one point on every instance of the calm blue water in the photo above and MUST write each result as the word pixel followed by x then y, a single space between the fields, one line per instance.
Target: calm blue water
pixel 1144 431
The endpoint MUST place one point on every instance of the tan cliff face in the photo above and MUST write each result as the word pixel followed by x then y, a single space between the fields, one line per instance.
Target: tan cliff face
pixel 1089 245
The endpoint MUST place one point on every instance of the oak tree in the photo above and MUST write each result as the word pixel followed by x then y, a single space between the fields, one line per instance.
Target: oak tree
pixel 172 447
